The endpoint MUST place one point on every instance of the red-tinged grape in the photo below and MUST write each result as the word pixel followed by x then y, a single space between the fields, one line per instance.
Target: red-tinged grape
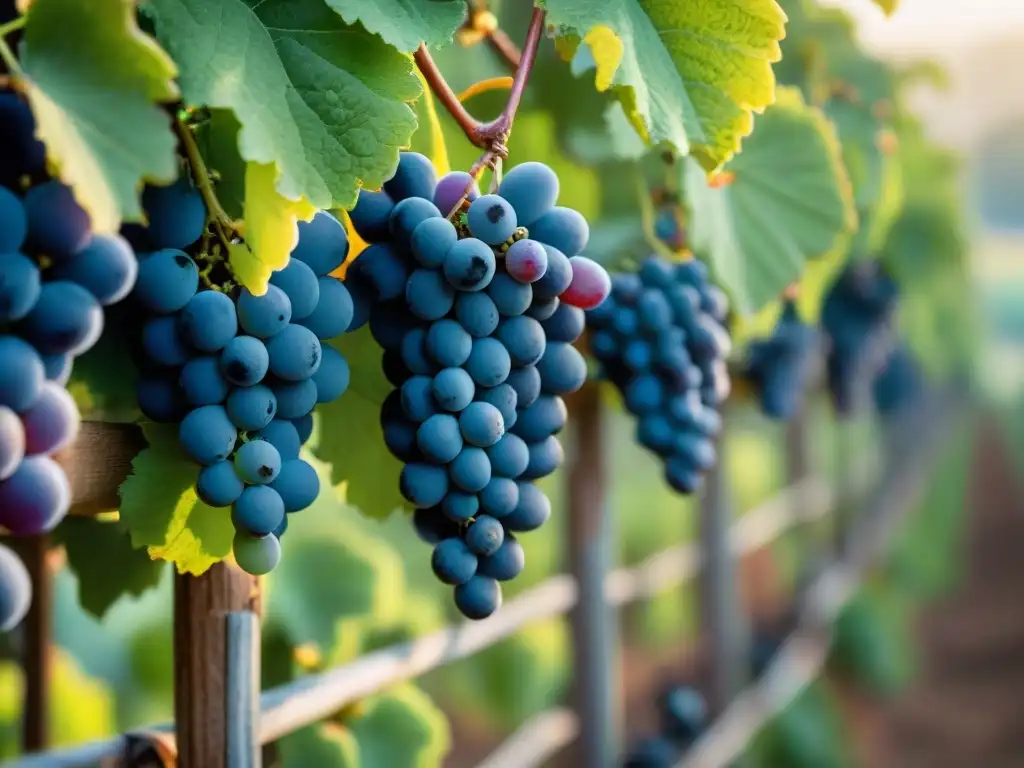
pixel 590 284
pixel 52 422
pixel 35 498
pixel 526 260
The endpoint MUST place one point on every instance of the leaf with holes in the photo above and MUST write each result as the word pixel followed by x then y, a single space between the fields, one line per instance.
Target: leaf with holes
pixel 95 94
pixel 786 199
pixel 326 101
pixel 161 511
pixel 690 74
pixel 405 23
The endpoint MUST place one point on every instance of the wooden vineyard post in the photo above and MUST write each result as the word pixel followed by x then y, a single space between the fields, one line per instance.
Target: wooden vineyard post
pixel 596 663
pixel 37 644
pixel 720 621
pixel 201 607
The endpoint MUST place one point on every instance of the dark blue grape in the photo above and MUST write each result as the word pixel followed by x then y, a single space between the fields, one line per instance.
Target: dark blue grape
pixel 439 439
pixel 390 322
pixel 301 287
pixel 471 469
pixel 384 269
pixel 57 367
pixel 546 417
pixel 638 355
pixel 418 401
pixel 266 315
pixel 51 423
pixel 484 536
pixel 167 280
pixel 20 285
pixel 163 344
pixel 542 309
pixel 207 434
pixel 175 214
pixel 645 394
pixel 66 319
pixel 489 362
pixel 557 278
pixel 562 228
pixel 322 245
pixel 478 598
pixel 209 321
pixel 562 369
pixel 35 498
pixel 414 177
pixel 244 361
pixel 432 526
pixel 448 343
pixel 481 424
pixel 258 511
pixel 681 474
pixel 303 425
pixel 23 155
pixel 400 439
pixel 159 399
pixel 453 389
pixel 219 485
pixel 294 353
pixel 334 311
pixel 509 295
pixel 505 564
pixel 504 398
pixel 656 432
pixel 532 190
pixel 654 272
pixel 371 215
pixel 500 496
pixel 414 352
pixel 424 485
pixel 332 377
pixel 251 408
pixel 653 311
pixel 428 294
pixel 509 456
pixel 57 225
pixel 407 215
pixel 477 313
pixel 545 457
pixel 565 324
pixel 469 265
pixel 431 241
pixel 297 484
pixel 453 562
pixel 531 513
pixel 460 507
pixel 295 399
pixel 283 435
pixel 527 384
pixel 492 219
pixel 106 267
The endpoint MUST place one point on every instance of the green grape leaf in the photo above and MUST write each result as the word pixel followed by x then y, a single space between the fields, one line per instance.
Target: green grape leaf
pixel 331 571
pixel 404 23
pixel 161 511
pixel 402 727
pixel 95 96
pixel 81 708
pixel 105 563
pixel 786 199
pixel 351 440
pixel 217 140
pixel 690 74
pixel 325 101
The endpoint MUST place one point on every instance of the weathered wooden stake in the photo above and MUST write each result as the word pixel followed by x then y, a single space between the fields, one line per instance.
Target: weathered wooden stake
pixel 242 692
pixel 37 644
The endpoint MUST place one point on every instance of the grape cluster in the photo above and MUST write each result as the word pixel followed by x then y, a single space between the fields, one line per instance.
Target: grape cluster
pixel 683 715
pixel 661 340
pixel 476 312
pixel 778 367
pixel 240 373
pixel 857 316
pixel 55 278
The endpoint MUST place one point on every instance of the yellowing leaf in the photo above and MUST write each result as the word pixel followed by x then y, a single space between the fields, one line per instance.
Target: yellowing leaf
pixel 94 82
pixel 888 6
pixel 356 245
pixel 271 228
pixel 687 73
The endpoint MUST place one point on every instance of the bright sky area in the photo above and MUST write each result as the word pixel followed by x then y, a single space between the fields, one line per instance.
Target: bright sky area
pixel 934 24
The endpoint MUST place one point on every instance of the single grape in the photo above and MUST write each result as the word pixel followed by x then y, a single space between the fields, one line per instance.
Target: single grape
pixel 162 342
pixel 566 324
pixel 506 563
pixel 527 384
pixel 12 442
pixel 414 352
pixel 453 562
pixel 451 188
pixel 546 456
pixel 653 310
pixel 469 265
pixel 295 399
pixel 504 398
pixel 303 425
pixel 301 286
pixel 322 245
pixel 556 278
pixel 484 536
pixel 655 432
pixel 452 389
pixel 590 284
pixel 263 316
pixel 638 355
pixel 15 590
pixel 681 474
pixel 202 383
pixel 384 269
pixel 298 485
pixel 654 272
pixel 257 462
pixel 407 215
pixel 531 513
pixel 697 449
pixel 207 434
pixel 492 219
pixel 481 424
pixel 57 367
pixel 433 527
pixel 52 422
pixel 167 280
pixel 562 369
pixel 526 260
pixel 334 311
pixel 20 285
pixel 244 361
pixel 510 296
pixel 57 225
pixel 175 214
pixel 258 511
pixel 294 353
pixel 478 598
pixel 509 456
pixel 106 267
pixel 523 338
pixel 477 313
pixel 562 228
pixel 35 498
pixel 431 240
pixel 414 177
pixel 21 374
pixel 542 309
pixel 439 439
pixel 66 319
pixel 256 555
pixel 160 399
pixel 471 469
pixel 500 496
pixel 460 507
pixel 428 294
pixel 219 484
pixel 532 190
pixel 282 529
pixel 418 401
pixel 423 485
pixel 251 408
pixel 371 214
pixel 332 377
pixel 448 343
pixel 645 394
pixel 400 439
pixel 489 362
pixel 209 321
pixel 547 416
pixel 283 435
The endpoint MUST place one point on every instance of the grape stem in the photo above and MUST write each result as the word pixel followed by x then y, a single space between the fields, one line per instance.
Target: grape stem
pixel 502 45
pixel 6 54
pixel 490 136
pixel 219 219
